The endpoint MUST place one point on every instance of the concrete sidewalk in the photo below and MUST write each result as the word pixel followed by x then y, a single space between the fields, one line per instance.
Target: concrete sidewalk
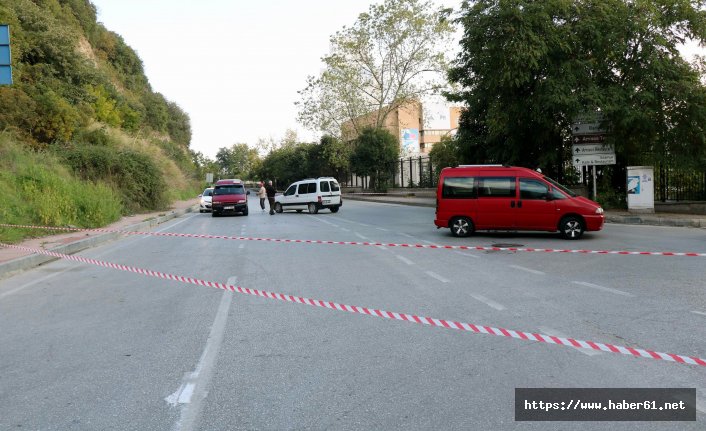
pixel 13 260
pixel 623 217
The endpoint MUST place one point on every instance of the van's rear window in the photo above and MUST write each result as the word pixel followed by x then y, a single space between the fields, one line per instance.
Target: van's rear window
pixel 459 188
pixel 229 190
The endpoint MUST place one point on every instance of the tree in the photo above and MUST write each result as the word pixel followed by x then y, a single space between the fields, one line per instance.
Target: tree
pixel 375 152
pixel 444 154
pixel 237 161
pixel 527 68
pixel 393 54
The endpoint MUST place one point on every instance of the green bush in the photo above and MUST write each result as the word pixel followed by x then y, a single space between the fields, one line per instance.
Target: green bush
pixel 36 189
pixel 135 175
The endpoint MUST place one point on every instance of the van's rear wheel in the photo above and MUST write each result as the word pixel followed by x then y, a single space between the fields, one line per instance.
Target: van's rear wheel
pixel 334 209
pixel 571 227
pixel 461 226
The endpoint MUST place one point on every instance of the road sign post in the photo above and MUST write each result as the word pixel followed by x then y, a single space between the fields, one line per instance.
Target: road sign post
pixel 589 148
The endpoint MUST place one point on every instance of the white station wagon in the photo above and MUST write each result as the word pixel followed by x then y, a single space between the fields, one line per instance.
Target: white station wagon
pixel 311 194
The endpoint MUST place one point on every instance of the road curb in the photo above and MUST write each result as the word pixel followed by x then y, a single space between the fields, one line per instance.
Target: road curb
pixel 24 263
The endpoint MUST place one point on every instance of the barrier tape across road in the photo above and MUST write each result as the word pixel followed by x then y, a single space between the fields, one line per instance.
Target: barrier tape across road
pixel 368 243
pixel 411 318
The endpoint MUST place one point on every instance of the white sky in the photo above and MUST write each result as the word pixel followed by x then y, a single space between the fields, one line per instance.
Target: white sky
pixel 234 66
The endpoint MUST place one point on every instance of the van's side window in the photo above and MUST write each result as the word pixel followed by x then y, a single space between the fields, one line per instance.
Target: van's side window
pixel 324 186
pixel 496 187
pixel 533 189
pixel 334 186
pixel 459 188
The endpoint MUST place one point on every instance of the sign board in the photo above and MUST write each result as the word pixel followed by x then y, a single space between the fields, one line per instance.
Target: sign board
pixel 593 159
pixel 587 129
pixel 209 177
pixel 410 140
pixel 641 189
pixel 588 117
pixel 579 149
pixel 5 57
pixel 588 139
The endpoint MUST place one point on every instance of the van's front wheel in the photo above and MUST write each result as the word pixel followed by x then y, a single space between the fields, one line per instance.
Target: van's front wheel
pixel 571 227
pixel 461 226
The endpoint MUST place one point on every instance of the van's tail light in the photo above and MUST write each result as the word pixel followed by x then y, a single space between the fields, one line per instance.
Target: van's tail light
pixel 319 199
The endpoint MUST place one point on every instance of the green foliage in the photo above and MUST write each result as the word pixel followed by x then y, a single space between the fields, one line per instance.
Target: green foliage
pixel 37 189
pixel 135 175
pixel 445 153
pixel 375 151
pixel 238 161
pixel 527 68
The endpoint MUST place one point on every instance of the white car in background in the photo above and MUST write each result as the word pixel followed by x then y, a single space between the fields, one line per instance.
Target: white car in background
pixel 311 194
pixel 205 202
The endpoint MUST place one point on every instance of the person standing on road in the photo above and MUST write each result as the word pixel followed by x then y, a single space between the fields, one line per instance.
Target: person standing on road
pixel 270 190
pixel 262 194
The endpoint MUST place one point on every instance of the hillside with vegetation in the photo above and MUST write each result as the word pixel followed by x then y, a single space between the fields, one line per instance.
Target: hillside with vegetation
pixel 83 136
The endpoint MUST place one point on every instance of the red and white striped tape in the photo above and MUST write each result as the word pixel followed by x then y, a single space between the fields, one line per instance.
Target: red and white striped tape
pixel 411 318
pixel 317 241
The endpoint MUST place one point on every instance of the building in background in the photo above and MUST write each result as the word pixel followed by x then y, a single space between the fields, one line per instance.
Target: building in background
pixel 418 126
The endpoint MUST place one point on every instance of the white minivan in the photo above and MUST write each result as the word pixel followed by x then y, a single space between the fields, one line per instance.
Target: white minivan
pixel 311 194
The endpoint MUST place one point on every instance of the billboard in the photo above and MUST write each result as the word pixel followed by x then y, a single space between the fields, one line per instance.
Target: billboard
pixel 410 141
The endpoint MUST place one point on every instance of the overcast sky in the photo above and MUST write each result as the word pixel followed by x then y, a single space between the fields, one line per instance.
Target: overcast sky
pixel 234 66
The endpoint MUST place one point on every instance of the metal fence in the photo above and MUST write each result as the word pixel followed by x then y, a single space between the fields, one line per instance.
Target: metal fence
pixel 672 184
pixel 677 184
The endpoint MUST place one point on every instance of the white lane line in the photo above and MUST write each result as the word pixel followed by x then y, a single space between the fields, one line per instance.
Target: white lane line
pixel 603 288
pixel 467 254
pixel 48 276
pixel 345 230
pixel 407 235
pixel 361 236
pixel 404 259
pixel 382 229
pixel 555 333
pixel 194 387
pixel 522 268
pixel 695 312
pixel 489 302
pixel 437 276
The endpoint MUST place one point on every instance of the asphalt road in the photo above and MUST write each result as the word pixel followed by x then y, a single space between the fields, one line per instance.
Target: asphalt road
pixel 90 348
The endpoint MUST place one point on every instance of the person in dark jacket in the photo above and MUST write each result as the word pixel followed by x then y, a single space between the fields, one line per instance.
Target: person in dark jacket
pixel 270 190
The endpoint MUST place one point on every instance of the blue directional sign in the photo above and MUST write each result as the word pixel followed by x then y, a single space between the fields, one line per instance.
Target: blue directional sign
pixel 5 56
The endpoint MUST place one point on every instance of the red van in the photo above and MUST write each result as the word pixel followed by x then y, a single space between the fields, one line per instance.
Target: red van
pixel 497 197
pixel 229 196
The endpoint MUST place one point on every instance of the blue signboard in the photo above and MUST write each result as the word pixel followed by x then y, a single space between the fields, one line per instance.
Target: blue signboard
pixel 5 56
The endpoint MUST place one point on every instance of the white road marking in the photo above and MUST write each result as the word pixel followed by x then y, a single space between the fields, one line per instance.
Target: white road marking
pixel 345 230
pixel 194 387
pixel 695 312
pixel 522 268
pixel 603 288
pixel 437 276
pixel 407 235
pixel 488 302
pixel 430 243
pixel 360 236
pixel 404 259
pixel 382 229
pixel 467 254
pixel 555 333
pixel 241 246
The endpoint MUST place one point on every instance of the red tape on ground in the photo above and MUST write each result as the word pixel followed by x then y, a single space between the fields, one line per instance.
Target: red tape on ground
pixel 317 241
pixel 442 323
